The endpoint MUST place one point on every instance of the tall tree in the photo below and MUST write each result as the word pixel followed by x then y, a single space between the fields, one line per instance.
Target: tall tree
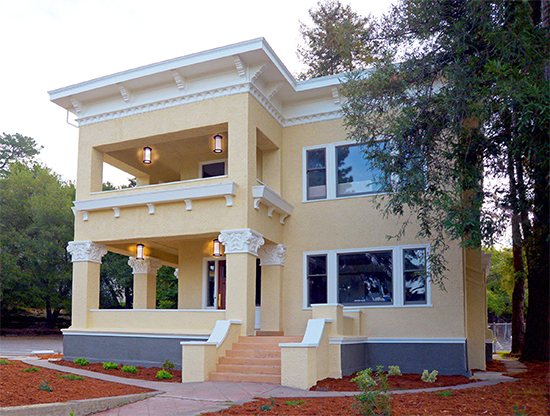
pixel 339 40
pixel 15 148
pixel 36 223
pixel 463 68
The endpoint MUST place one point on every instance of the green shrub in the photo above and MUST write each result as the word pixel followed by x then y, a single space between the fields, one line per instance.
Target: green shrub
pixel 163 374
pixel 168 365
pixel 295 403
pixel 266 407
pixel 4 362
pixel 429 377
pixel 444 393
pixel 70 377
pixel 376 396
pixel 110 366
pixel 394 370
pixel 45 386
pixel 29 370
pixel 81 361
pixel 129 369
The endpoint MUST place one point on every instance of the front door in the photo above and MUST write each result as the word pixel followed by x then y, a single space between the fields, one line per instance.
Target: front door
pixel 221 284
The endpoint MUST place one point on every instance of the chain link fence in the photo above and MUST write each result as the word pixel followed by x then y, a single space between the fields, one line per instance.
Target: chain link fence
pixel 502 336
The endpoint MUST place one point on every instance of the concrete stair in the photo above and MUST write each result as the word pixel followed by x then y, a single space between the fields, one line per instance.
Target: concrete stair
pixel 254 359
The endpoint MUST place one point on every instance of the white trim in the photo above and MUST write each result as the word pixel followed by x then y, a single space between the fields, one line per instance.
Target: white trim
pixel 265 195
pixel 212 162
pixel 312 336
pixel 344 341
pixel 156 310
pixel 158 197
pixel 120 334
pixel 398 284
pixel 205 261
pixel 220 331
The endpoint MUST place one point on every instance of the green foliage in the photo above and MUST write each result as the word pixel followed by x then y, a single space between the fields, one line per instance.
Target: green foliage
pixel 168 365
pixel 295 403
pixel 70 377
pixel 30 370
pixel 518 412
pixel 129 369
pixel 444 393
pixel 45 385
pixel 268 407
pixel 116 282
pixel 167 288
pixel 36 224
pixel 81 361
pixel 4 362
pixel 500 285
pixel 375 398
pixel 110 366
pixel 394 370
pixel 339 40
pixel 429 377
pixel 163 374
pixel 16 148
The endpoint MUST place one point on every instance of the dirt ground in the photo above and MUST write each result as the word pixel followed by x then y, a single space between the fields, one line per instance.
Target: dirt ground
pixel 143 373
pixel 527 396
pixel 18 388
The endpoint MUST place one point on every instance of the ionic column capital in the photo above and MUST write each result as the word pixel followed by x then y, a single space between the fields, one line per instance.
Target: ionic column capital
pixel 245 240
pixel 86 251
pixel 148 265
pixel 272 255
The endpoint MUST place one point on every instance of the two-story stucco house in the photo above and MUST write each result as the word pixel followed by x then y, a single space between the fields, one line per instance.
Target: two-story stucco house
pixel 246 184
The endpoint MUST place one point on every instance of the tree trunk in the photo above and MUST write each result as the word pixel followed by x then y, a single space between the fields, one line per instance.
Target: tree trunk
pixel 518 302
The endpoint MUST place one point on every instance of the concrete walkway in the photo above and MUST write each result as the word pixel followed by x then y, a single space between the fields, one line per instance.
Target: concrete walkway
pixel 24 345
pixel 186 399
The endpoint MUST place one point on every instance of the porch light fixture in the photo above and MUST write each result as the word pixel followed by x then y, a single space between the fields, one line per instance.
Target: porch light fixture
pixel 140 251
pixel 218 143
pixel 217 248
pixel 147 155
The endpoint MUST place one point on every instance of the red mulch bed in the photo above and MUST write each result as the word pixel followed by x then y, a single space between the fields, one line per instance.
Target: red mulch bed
pixel 529 395
pixel 144 373
pixel 404 382
pixel 18 388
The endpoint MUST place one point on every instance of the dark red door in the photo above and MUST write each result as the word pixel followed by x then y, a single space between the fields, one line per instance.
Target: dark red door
pixel 221 284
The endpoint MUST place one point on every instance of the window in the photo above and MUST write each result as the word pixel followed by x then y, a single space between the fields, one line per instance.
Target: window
pixel 317 279
pixel 337 170
pixel 385 276
pixel 414 275
pixel 213 168
pixel 316 174
pixel 365 278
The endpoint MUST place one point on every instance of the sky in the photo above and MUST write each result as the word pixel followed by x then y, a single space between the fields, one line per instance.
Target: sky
pixel 49 44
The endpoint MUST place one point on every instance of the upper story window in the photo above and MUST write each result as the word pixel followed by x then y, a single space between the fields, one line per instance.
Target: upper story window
pixel 337 170
pixel 213 168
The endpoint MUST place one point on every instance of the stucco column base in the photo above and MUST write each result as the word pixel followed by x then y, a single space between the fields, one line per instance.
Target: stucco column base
pixel 198 361
pixel 145 291
pixel 85 295
pixel 241 290
pixel 272 298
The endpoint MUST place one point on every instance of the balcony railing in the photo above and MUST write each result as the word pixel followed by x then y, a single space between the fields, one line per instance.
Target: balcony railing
pixel 151 198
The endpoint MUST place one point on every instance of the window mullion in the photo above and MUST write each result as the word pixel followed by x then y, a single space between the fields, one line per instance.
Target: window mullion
pixel 332 277
pixel 398 279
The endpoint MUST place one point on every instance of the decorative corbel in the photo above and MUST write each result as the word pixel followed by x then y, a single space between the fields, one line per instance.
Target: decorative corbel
pixel 178 79
pixel 239 65
pixel 125 93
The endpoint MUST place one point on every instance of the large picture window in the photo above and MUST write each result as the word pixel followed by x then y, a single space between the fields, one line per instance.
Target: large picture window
pixel 338 170
pixel 365 278
pixel 369 277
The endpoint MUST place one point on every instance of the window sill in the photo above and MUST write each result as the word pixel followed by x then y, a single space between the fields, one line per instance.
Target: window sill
pixel 306 201
pixel 354 308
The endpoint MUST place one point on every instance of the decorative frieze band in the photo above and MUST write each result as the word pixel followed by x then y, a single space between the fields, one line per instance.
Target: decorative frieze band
pixel 272 255
pixel 148 265
pixel 86 251
pixel 244 240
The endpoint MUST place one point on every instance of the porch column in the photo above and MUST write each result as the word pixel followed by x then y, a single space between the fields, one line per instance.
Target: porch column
pixel 86 258
pixel 241 250
pixel 272 260
pixel 145 282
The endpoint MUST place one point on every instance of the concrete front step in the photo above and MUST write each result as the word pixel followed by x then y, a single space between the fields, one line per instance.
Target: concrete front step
pixel 253 378
pixel 270 333
pixel 268 340
pixel 250 361
pixel 249 369
pixel 253 353
pixel 251 346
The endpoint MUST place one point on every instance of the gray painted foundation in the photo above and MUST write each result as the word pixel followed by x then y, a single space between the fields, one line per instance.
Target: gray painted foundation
pixel 446 358
pixel 142 350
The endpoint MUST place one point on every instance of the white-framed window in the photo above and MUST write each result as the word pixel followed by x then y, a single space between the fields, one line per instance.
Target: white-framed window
pixel 211 168
pixel 368 277
pixel 337 170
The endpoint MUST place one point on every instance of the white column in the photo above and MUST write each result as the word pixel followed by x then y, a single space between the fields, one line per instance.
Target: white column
pixel 272 260
pixel 145 282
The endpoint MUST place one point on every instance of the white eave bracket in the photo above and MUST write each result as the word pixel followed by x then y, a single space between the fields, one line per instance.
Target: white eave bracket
pixel 263 194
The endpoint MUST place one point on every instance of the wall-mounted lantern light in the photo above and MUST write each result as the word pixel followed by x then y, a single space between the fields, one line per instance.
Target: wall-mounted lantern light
pixel 218 143
pixel 217 252
pixel 140 251
pixel 147 155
